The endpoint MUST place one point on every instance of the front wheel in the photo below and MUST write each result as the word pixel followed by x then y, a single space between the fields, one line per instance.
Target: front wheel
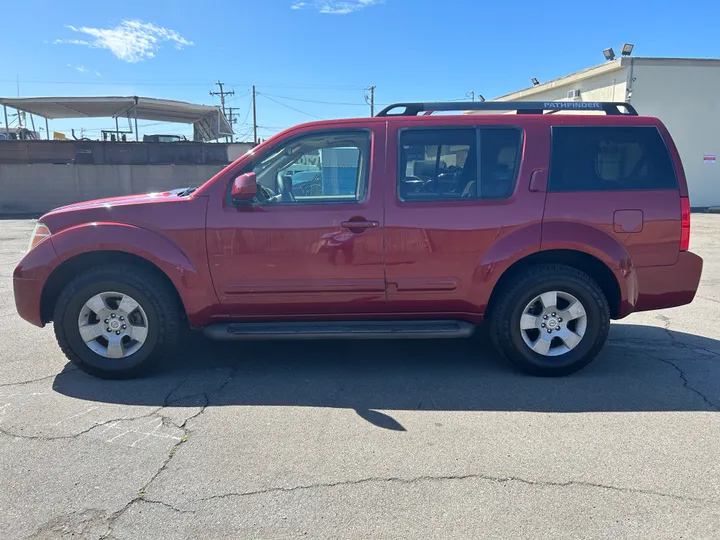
pixel 551 321
pixel 116 321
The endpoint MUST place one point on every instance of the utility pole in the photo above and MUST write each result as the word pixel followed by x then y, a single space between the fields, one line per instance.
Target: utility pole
pixel 371 99
pixel 232 119
pixel 222 93
pixel 255 139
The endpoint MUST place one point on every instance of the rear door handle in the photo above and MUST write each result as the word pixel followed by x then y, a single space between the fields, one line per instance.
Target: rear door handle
pixel 359 226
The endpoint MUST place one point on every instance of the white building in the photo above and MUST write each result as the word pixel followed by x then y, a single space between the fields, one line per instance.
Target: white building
pixel 682 92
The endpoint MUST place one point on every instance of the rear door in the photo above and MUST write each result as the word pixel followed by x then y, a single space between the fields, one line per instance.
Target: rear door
pixel 455 193
pixel 620 179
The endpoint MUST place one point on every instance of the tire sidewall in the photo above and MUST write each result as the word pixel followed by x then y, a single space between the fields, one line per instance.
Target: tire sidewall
pixel 574 358
pixel 91 359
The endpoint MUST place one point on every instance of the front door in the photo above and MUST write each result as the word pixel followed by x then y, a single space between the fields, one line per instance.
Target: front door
pixel 312 241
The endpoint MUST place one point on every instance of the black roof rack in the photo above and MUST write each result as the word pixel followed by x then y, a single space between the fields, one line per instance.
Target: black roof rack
pixel 522 107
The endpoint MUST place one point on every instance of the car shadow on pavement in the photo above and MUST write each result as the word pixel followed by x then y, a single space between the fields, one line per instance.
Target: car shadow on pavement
pixel 642 368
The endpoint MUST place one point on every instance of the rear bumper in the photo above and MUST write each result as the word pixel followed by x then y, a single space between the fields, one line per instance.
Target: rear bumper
pixel 668 286
pixel 29 280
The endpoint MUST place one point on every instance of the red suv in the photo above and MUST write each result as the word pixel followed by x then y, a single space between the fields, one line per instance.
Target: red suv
pixel 398 226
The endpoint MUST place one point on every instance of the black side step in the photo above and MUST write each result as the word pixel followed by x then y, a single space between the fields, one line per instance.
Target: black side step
pixel 340 330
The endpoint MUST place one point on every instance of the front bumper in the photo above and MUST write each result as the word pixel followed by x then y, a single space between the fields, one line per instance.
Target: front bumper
pixel 29 279
pixel 662 287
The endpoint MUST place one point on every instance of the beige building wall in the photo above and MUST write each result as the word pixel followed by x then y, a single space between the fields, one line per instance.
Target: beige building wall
pixel 606 82
pixel 685 96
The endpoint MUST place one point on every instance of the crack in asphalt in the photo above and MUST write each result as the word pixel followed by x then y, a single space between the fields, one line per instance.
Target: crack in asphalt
pixel 683 377
pixel 482 477
pixel 166 505
pixel 642 343
pixel 140 498
pixel 8 433
pixel 686 383
pixel 666 326
pixel 89 517
pixel 155 412
pixel 20 383
pixel 169 400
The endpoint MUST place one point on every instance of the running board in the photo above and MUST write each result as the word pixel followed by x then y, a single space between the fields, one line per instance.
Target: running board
pixel 340 330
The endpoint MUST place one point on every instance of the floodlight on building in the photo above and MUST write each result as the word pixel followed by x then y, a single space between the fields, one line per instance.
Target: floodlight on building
pixel 481 97
pixel 535 81
pixel 609 54
pixel 627 49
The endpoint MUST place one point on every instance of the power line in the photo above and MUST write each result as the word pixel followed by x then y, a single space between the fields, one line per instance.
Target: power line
pixel 288 106
pixel 139 126
pixel 183 82
pixel 308 86
pixel 242 137
pixel 151 124
pixel 239 96
pixel 316 101
pixel 247 114
pixel 137 83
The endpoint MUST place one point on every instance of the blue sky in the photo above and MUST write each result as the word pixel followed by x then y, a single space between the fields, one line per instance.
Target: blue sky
pixel 299 52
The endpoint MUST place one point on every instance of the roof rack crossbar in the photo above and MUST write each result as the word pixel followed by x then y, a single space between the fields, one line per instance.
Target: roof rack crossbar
pixel 522 107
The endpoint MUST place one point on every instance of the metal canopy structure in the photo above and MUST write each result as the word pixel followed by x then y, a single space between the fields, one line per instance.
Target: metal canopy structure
pixel 209 122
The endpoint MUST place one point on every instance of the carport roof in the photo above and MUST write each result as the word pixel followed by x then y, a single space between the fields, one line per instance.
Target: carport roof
pixel 209 121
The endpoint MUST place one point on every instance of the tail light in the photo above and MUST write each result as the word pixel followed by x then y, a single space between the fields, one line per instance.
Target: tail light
pixel 685 224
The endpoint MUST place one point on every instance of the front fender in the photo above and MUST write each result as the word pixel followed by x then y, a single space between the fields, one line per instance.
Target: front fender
pixel 192 283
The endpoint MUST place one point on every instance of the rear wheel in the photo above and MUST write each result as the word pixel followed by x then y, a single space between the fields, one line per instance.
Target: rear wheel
pixel 551 321
pixel 116 321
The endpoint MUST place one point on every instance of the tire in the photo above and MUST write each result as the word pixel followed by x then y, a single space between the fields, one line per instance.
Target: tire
pixel 569 283
pixel 158 311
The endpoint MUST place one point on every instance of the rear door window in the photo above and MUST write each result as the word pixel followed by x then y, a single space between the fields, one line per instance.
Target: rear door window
pixel 445 164
pixel 600 158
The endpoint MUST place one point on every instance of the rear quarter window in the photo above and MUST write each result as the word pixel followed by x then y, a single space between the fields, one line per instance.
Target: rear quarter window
pixel 600 158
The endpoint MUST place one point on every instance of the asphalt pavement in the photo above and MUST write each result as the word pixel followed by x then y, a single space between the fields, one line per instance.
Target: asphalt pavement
pixel 382 440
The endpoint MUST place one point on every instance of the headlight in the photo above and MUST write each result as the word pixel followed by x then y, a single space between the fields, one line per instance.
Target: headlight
pixel 40 233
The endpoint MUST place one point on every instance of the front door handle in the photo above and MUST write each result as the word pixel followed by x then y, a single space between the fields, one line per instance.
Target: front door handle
pixel 359 225
pixel 539 180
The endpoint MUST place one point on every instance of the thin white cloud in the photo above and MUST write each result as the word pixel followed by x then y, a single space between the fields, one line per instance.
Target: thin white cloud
pixel 335 7
pixel 130 41
pixel 81 69
pixel 98 74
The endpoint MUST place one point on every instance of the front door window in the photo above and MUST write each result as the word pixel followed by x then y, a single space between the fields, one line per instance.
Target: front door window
pixel 316 169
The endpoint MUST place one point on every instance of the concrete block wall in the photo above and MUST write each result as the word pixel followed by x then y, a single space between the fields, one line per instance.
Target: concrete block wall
pixel 37 188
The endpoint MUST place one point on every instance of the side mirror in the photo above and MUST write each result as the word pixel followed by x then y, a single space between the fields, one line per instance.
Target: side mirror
pixel 244 187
